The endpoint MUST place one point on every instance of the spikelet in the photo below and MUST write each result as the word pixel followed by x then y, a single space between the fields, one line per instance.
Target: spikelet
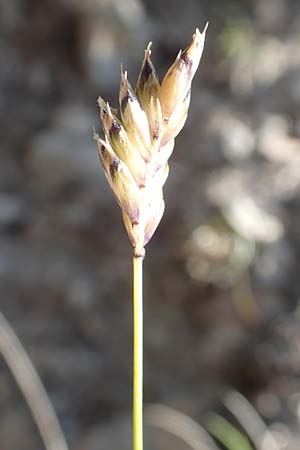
pixel 137 146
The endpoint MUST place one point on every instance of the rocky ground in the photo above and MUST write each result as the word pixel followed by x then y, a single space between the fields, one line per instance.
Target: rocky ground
pixel 222 282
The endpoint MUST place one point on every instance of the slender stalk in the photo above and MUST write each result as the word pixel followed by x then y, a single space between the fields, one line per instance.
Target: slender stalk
pixel 137 352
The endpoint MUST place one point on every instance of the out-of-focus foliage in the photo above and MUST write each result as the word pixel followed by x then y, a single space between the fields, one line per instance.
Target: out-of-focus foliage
pixel 222 284
pixel 228 435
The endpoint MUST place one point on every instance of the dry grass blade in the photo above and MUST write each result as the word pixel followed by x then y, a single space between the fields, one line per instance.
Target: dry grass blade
pixel 31 387
pixel 180 425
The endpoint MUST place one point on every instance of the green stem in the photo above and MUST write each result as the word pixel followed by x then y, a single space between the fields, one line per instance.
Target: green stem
pixel 137 352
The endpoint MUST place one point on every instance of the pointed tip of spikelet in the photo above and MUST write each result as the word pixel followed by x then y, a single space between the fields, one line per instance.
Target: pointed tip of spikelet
pixel 198 34
pixel 149 46
pixel 204 29
pixel 124 73
pixel 148 51
pixel 101 103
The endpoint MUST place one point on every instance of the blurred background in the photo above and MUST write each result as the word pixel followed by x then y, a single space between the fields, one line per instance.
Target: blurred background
pixel 222 285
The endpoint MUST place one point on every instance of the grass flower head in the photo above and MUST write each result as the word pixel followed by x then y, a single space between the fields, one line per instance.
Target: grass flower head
pixel 137 145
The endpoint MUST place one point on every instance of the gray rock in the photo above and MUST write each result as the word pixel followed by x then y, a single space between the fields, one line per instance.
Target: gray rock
pixel 12 211
pixel 237 139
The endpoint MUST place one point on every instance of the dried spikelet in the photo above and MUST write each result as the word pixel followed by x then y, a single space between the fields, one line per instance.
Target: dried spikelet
pixel 137 146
